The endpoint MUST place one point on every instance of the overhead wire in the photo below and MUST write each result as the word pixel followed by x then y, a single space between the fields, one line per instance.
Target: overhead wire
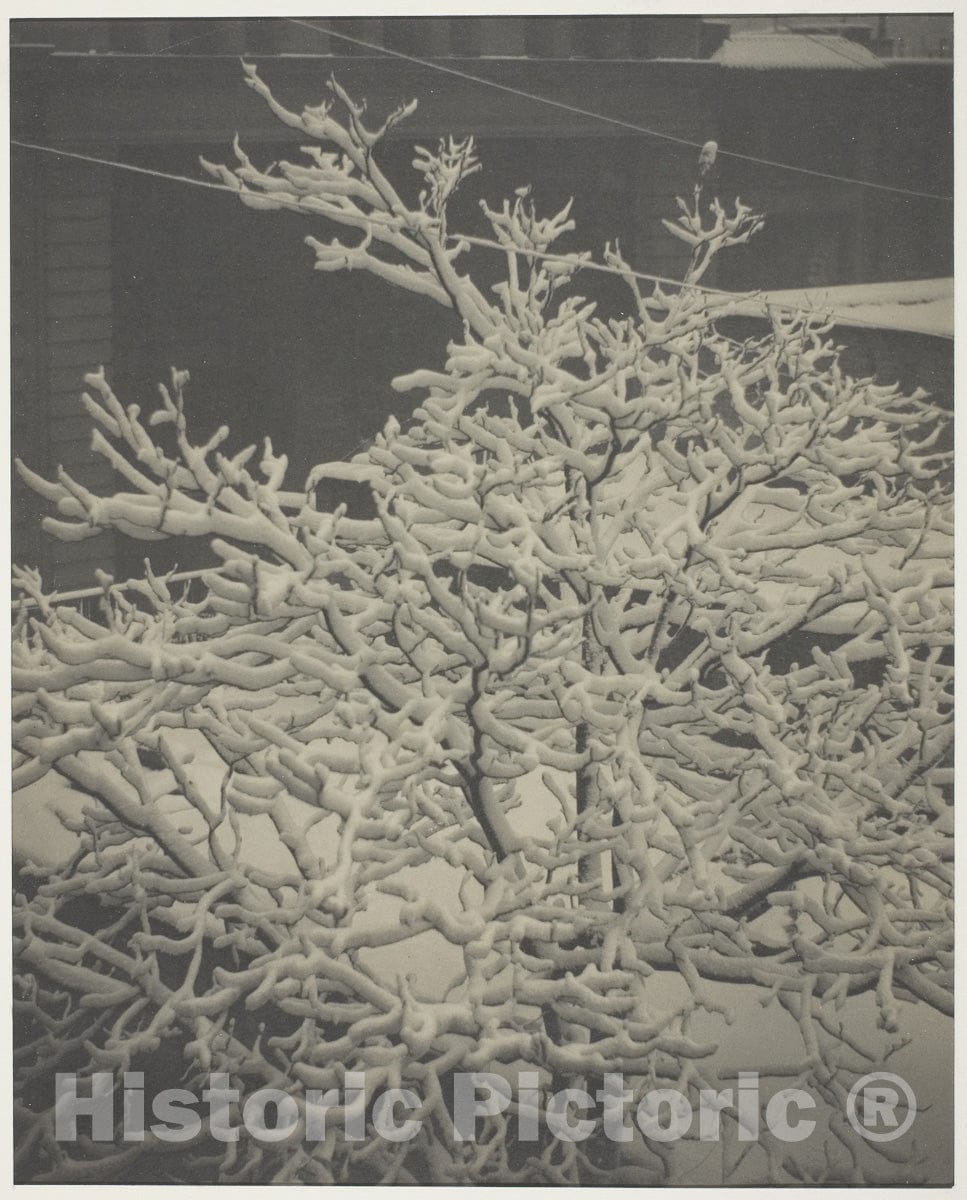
pixel 190 41
pixel 826 314
pixel 123 166
pixel 830 314
pixel 619 122
pixel 434 65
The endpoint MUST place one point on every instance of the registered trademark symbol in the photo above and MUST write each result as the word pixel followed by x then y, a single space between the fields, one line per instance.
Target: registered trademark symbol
pixel 873 1103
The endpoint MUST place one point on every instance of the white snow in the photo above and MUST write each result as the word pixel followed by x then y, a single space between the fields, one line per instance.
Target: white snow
pixel 754 1039
pixel 911 306
pixel 764 49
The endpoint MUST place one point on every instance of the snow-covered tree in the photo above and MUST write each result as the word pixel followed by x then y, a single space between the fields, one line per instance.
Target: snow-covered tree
pixel 638 665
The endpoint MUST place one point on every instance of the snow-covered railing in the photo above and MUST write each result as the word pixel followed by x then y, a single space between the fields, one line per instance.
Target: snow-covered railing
pixel 86 600
pixel 924 306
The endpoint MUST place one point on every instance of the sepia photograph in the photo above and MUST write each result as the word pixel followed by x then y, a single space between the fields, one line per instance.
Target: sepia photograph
pixel 482 622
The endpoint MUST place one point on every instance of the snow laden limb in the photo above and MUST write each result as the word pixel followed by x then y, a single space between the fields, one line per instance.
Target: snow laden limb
pixel 698 588
pixel 343 183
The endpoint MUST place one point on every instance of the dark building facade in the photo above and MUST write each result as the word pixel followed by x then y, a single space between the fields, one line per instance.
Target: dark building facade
pixel 140 273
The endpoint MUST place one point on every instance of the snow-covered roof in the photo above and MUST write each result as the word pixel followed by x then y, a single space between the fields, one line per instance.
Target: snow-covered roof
pixel 912 306
pixel 764 50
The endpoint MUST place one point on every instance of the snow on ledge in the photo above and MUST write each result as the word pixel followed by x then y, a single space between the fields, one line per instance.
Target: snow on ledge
pixel 763 50
pixel 923 306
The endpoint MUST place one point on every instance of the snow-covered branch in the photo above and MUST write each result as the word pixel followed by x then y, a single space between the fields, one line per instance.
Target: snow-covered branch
pixel 643 665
